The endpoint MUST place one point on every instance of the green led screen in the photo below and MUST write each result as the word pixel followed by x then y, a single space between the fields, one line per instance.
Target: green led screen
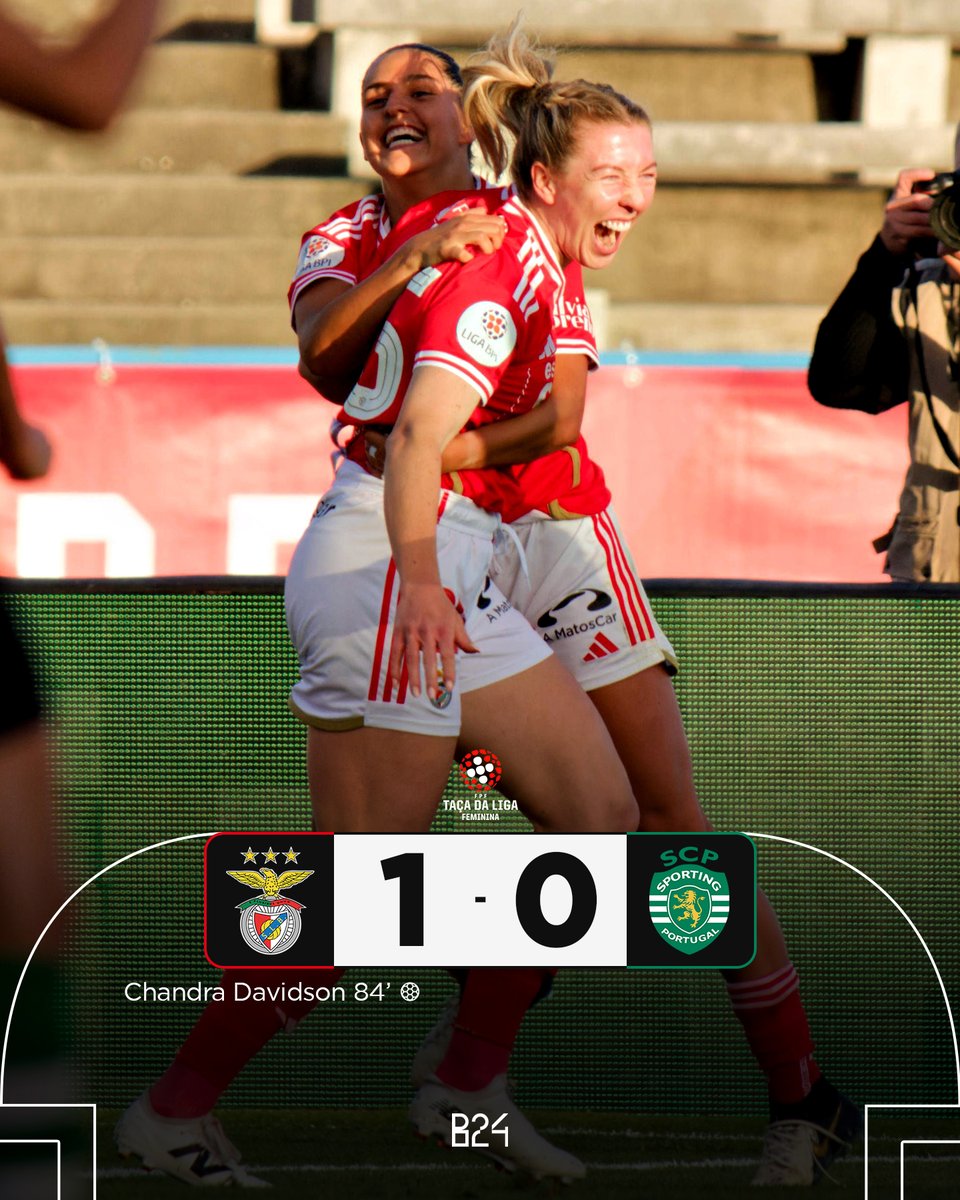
pixel 828 718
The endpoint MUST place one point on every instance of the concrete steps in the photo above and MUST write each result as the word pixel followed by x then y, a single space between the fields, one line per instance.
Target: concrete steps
pixel 63 17
pixel 719 268
pixel 180 225
pixel 200 141
pixel 718 83
pixel 148 205
pixel 744 245
pixel 682 251
pixel 147 270
pixel 211 75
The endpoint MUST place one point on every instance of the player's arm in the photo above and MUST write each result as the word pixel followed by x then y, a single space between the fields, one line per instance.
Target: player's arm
pixel 24 449
pixel 426 624
pixel 337 324
pixel 81 85
pixel 860 359
pixel 550 426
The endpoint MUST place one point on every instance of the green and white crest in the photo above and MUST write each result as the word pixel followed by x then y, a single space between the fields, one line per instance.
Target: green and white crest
pixel 689 906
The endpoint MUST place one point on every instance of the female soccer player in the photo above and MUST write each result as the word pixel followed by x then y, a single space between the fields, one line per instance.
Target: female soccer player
pixel 383 722
pixel 574 555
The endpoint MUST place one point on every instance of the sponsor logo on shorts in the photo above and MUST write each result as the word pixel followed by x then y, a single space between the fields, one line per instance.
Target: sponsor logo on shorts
pixel 484 602
pixel 487 333
pixel 600 647
pixel 597 604
pixel 318 254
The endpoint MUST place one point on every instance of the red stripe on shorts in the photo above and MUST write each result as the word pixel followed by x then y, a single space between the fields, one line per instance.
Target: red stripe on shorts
pixel 382 629
pixel 612 572
pixel 404 680
pixel 628 579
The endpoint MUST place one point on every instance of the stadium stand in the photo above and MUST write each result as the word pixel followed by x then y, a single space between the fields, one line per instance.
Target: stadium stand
pixel 779 129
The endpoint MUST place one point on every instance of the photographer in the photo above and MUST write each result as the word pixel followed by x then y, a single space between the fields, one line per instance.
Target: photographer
pixel 893 335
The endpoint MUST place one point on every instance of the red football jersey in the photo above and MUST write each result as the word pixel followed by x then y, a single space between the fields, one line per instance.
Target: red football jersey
pixel 567 482
pixel 353 242
pixel 489 322
pixel 342 247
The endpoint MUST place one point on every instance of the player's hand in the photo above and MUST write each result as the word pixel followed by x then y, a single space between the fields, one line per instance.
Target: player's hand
pixel 26 452
pixel 952 259
pixel 428 629
pixel 459 239
pixel 376 451
pixel 907 214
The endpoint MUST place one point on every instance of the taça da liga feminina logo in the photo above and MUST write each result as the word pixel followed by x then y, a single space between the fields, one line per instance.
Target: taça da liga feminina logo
pixel 270 923
pixel 480 770
pixel 689 906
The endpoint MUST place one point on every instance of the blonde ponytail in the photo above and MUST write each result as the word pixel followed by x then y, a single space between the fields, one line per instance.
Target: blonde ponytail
pixel 520 116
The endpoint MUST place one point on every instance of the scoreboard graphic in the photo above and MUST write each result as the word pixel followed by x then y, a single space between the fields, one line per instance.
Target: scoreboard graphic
pixel 434 900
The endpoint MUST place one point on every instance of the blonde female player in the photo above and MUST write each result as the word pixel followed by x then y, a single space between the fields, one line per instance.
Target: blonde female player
pixel 581 577
pixel 383 727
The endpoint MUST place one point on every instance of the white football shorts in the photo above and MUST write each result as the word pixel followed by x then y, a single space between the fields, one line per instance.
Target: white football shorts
pixel 341 594
pixel 582 595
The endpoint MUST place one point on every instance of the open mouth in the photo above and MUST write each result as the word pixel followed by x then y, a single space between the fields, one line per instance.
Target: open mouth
pixel 609 233
pixel 402 135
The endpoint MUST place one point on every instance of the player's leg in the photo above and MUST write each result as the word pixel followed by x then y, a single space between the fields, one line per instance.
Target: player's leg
pixel 35 1066
pixel 584 587
pixel 371 779
pixel 560 766
pixel 644 721
pixel 559 762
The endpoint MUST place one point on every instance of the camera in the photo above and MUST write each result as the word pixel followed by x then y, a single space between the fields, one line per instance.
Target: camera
pixel 945 190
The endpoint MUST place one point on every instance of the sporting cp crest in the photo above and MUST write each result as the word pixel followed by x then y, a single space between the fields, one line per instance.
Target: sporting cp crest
pixel 689 906
pixel 270 923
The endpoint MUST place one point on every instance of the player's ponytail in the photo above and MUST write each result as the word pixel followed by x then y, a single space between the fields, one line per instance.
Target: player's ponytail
pixel 510 99
pixel 501 83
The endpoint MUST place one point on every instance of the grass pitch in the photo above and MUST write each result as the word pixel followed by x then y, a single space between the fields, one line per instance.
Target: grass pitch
pixel 360 1155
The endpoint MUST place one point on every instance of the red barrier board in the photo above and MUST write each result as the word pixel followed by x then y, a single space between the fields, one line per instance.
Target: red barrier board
pixel 716 472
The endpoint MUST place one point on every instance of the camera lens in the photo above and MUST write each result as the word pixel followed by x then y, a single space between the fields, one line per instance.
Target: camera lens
pixel 943 217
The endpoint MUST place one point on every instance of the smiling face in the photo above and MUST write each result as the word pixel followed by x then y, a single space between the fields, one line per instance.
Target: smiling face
pixel 412 122
pixel 591 202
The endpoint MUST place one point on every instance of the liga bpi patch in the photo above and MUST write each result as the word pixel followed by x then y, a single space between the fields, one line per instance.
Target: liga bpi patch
pixel 692 900
pixel 487 333
pixel 319 253
pixel 266 905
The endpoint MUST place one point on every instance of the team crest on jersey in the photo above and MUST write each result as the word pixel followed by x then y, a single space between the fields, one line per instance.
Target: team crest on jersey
pixel 487 333
pixel 270 923
pixel 689 906
pixel 319 253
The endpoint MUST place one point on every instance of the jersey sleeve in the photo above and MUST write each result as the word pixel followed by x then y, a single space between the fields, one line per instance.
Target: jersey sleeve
pixel 572 321
pixel 336 248
pixel 473 322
